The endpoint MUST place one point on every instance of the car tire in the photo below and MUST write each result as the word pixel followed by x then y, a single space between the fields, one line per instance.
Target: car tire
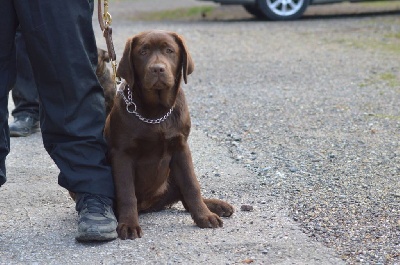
pixel 254 10
pixel 282 9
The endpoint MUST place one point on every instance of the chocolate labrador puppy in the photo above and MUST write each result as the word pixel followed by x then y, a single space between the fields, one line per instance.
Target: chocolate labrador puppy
pixel 147 132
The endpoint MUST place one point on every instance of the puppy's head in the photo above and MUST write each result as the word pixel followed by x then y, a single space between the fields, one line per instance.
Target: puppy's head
pixel 154 62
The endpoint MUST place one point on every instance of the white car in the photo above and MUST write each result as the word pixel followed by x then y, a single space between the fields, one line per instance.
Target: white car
pixel 277 9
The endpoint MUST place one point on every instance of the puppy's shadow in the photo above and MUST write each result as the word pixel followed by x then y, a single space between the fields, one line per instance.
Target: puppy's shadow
pixel 174 216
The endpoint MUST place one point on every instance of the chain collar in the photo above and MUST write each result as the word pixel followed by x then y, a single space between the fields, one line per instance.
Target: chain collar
pixel 131 106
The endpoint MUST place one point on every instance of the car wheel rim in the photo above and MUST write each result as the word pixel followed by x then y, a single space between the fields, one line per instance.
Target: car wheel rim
pixel 285 7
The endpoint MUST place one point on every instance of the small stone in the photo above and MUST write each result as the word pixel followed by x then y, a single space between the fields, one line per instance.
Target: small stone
pixel 246 208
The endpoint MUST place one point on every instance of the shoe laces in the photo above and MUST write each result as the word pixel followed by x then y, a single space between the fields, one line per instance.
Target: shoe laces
pixel 25 118
pixel 94 204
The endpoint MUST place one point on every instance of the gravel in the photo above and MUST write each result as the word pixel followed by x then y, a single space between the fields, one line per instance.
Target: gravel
pixel 305 107
pixel 296 123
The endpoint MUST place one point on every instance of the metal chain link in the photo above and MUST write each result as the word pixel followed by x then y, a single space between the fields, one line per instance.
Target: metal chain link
pixel 129 102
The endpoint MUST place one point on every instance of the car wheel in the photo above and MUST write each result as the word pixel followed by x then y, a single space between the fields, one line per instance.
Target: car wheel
pixel 282 9
pixel 254 10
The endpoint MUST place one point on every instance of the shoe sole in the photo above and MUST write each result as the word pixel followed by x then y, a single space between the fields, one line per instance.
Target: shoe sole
pixel 96 236
pixel 21 134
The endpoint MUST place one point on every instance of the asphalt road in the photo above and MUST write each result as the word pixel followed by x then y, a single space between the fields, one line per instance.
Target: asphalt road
pixel 298 119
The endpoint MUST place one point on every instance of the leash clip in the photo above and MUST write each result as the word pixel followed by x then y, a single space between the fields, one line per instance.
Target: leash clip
pixel 106 15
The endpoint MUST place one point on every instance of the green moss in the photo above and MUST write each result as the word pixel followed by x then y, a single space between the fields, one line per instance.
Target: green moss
pixel 175 14
pixel 385 116
pixel 380 3
pixel 369 36
pixel 392 47
pixel 393 35
pixel 388 76
pixel 390 79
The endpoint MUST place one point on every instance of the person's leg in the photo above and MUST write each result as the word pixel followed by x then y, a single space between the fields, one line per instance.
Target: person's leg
pixel 8 25
pixel 24 94
pixel 62 50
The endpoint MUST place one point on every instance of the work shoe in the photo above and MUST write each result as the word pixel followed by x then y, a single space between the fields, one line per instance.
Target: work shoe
pixel 96 220
pixel 23 125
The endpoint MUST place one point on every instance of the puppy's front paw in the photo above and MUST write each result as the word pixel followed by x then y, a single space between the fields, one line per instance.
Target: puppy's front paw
pixel 129 231
pixel 219 207
pixel 210 220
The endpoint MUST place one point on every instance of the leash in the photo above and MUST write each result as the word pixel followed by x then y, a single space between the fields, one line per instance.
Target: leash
pixel 105 20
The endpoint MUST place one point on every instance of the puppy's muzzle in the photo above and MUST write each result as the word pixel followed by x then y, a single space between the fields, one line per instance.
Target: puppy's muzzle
pixel 158 69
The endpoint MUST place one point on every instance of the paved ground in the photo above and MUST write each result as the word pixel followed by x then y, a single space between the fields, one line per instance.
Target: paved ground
pixel 299 120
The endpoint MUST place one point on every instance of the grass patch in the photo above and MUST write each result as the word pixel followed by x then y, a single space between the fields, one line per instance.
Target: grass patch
pixel 393 35
pixel 391 44
pixel 387 79
pixel 378 34
pixel 390 79
pixel 380 3
pixel 176 14
pixel 386 117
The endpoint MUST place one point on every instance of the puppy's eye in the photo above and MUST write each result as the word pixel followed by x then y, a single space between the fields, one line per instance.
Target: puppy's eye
pixel 143 52
pixel 169 50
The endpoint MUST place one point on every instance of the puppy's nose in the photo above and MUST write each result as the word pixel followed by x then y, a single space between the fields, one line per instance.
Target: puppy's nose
pixel 157 68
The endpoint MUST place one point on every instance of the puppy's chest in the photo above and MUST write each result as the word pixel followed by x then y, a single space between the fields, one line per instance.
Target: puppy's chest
pixel 158 145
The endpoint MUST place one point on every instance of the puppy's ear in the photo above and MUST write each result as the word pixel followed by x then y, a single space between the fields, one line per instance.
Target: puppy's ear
pixel 187 62
pixel 125 67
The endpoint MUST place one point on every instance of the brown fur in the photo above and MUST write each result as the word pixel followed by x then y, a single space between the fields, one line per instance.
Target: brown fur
pixel 152 164
pixel 105 79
